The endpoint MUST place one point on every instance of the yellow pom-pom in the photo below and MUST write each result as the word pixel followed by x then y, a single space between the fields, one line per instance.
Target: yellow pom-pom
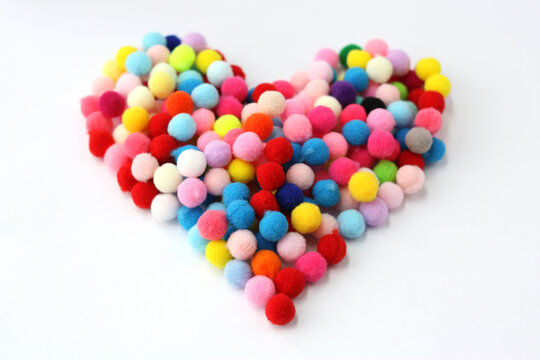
pixel 182 58
pixel 161 84
pixel 358 58
pixel 426 67
pixel 135 119
pixel 111 70
pixel 226 123
pixel 241 171
pixel 306 218
pixel 122 54
pixel 217 253
pixel 205 58
pixel 363 186
pixel 439 83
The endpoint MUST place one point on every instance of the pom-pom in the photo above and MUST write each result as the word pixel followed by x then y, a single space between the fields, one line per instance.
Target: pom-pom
pixel 240 214
pixel 381 144
pixel 326 193
pixel 235 86
pixel 212 224
pixel 263 201
pixel 301 175
pixel 266 262
pixel 241 171
pixel 410 179
pixel 143 193
pixel 332 247
pixel 238 273
pixel 289 196
pixel 356 132
pixel 111 104
pixel 167 178
pixel 162 146
pixel 342 169
pixel 271 103
pixel 278 150
pixel 363 186
pixel 418 140
pixel 259 289
pixel 164 207
pixel 125 179
pixel 248 146
pixel 297 128
pixel 217 253
pixel 235 191
pixel 280 310
pixel 135 119
pixel 188 217
pixel 215 180
pixel 99 141
pixel 306 218
pixel 192 192
pixel 351 224
pixel 242 244
pixel 191 163
pixel 312 265
pixel 136 143
pixel 273 226
pixel 375 212
pixel 260 124
pixel 270 176
pixel 431 99
pixel 391 194
pixel 290 281
pixel 429 119
pixel 291 246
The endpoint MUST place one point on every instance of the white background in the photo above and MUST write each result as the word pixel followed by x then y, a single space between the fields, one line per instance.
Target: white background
pixel 454 274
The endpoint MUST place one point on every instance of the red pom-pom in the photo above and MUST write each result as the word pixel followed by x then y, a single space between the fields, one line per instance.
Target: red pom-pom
pixel 143 193
pixel 285 88
pixel 125 179
pixel 411 80
pixel 415 95
pixel 159 123
pixel 332 247
pixel 111 104
pixel 260 89
pixel 361 156
pixel 290 281
pixel 259 123
pixel 237 71
pixel 99 141
pixel 432 99
pixel 409 158
pixel 179 102
pixel 263 201
pixel 279 150
pixel 270 175
pixel 161 147
pixel 280 309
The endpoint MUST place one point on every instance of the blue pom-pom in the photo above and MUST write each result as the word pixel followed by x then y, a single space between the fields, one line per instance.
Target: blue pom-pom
pixel 176 152
pixel 263 244
pixel 188 85
pixel 235 191
pixel 326 193
pixel 238 273
pixel 435 152
pixel 315 152
pixel 187 217
pixel 138 63
pixel 273 226
pixel 351 224
pixel 217 206
pixel 356 132
pixel 182 127
pixel 153 38
pixel 240 214
pixel 205 96
pixel 172 41
pixel 400 137
pixel 190 74
pixel 402 113
pixel 289 196
pixel 195 239
pixel 358 77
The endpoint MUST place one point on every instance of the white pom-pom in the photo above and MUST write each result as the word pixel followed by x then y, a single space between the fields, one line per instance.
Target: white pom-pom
pixel 166 178
pixel 141 96
pixel 120 134
pixel 379 69
pixel 272 103
pixel 165 207
pixel 191 163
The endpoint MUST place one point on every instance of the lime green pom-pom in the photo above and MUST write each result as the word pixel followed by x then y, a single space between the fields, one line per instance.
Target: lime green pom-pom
pixel 182 58
pixel 386 171
pixel 403 93
pixel 345 51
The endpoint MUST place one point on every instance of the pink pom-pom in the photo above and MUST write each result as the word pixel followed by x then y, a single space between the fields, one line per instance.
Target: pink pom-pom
pixel 111 104
pixel 192 192
pixel 328 225
pixel 285 88
pixel 231 136
pixel 195 40
pixel 301 175
pixel 299 80
pixel 135 144
pixel 346 200
pixel 242 244
pixel 376 47
pixel 380 119
pixel 391 194
pixel 322 119
pixel 388 93
pixel 410 178
pixel 352 112
pixel 370 90
pixel 229 105
pixel 312 265
pixel 362 156
pixel 297 128
pixel 259 289
pixel 401 63
pixel 316 88
pixel 342 169
pixel 114 157
pixel 337 144
pixel 249 110
pixel 328 55
pixel 96 121
pixel 215 180
pixel 291 246
pixel 204 120
pixel 430 119
pixel 247 146
pixel 143 167
pixel 292 106
pixel 320 70
pixel 158 54
pixel 306 101
pixel 126 83
pixel 102 84
pixel 206 138
pixel 381 144
pixel 89 105
pixel 212 224
pixel 235 86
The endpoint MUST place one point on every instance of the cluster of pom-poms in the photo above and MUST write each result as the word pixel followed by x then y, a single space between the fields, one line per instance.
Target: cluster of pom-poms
pixel 268 181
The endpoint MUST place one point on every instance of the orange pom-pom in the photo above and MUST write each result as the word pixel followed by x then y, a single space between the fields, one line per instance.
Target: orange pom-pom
pixel 179 102
pixel 266 262
pixel 260 124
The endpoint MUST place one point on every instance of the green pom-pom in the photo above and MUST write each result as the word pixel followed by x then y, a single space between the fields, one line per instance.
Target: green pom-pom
pixel 386 171
pixel 345 51
pixel 403 93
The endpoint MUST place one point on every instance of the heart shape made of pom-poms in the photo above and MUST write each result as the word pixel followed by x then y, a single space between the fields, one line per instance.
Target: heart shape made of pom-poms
pixel 270 182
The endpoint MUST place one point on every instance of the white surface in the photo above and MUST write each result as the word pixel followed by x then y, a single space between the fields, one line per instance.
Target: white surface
pixel 453 275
